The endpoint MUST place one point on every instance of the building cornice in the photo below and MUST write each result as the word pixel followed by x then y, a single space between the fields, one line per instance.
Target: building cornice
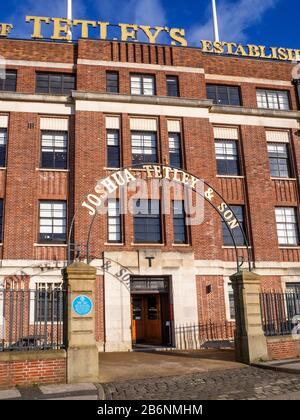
pixel 28 97
pixel 256 112
pixel 139 99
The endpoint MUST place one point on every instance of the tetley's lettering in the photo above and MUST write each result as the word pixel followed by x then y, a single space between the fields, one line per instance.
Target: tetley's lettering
pixel 61 30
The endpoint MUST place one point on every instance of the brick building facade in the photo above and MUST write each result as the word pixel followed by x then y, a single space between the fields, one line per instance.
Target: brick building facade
pixel 71 113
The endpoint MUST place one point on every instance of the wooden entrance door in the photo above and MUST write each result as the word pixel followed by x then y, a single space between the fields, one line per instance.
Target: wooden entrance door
pixel 146 319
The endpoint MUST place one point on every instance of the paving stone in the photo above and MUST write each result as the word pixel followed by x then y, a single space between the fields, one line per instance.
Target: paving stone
pixel 240 384
pixel 9 394
pixel 63 389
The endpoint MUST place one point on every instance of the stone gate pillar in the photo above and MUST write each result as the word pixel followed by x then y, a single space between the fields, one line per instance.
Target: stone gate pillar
pixel 82 352
pixel 250 341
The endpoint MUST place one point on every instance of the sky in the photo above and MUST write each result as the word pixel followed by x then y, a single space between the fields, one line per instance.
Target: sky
pixel 260 22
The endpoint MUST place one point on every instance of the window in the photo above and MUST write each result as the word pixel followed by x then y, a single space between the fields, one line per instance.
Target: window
pixel 114 221
pixel 54 150
pixel 142 85
pixel 227 157
pixel 53 221
pixel 1 220
pixel 112 82
pixel 272 99
pixel 175 150
pixel 237 232
pixel 144 147
pixel 9 83
pixel 55 83
pixel 287 226
pixel 172 86
pixel 147 222
pixel 3 143
pixel 224 95
pixel 231 301
pixel 279 158
pixel 293 299
pixel 180 229
pixel 113 148
pixel 49 302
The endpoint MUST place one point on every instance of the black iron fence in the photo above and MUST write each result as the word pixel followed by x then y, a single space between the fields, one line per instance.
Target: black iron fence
pixel 32 319
pixel 280 313
pixel 208 335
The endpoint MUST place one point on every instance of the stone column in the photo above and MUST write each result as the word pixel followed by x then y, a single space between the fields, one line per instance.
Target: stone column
pixel 82 352
pixel 250 341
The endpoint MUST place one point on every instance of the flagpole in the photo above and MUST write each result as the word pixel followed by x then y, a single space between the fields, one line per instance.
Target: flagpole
pixel 215 19
pixel 69 14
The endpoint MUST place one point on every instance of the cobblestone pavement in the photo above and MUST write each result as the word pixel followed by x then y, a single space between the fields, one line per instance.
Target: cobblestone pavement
pixel 236 384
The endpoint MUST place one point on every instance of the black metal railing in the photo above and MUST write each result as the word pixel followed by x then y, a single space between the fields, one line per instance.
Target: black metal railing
pixel 208 335
pixel 280 313
pixel 32 319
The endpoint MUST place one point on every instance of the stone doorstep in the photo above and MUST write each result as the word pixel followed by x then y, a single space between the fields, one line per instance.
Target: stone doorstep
pixel 66 388
pixel 280 366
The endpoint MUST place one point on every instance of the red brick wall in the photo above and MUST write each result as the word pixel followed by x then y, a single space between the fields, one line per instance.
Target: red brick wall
pixel 88 145
pixel 31 371
pixel 283 348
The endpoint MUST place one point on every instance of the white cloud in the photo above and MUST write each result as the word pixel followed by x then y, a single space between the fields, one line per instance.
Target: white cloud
pixel 234 20
pixel 149 12
pixel 53 8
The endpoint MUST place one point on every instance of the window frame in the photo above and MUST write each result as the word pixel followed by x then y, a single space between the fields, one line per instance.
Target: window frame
pixel 52 241
pixel 277 91
pixel 217 94
pixel 4 130
pixel 148 216
pixel 143 133
pixel 119 216
pixel 172 133
pixel 3 81
pixel 49 74
pixel 1 219
pixel 115 73
pixel 56 312
pixel 182 216
pixel 237 160
pixel 296 224
pixel 143 76
pixel 117 130
pixel 287 159
pixel 244 223
pixel 173 77
pixel 66 151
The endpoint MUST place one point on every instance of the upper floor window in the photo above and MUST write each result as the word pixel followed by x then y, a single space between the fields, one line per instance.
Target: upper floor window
pixel 279 157
pixel 54 150
pixel 55 83
pixel 147 221
pixel 273 99
pixel 112 82
pixel 237 233
pixel 144 147
pixel 287 226
pixel 113 148
pixel 179 224
pixel 172 86
pixel 53 221
pixel 142 84
pixel 9 83
pixel 227 157
pixel 114 221
pixel 1 219
pixel 224 95
pixel 3 143
pixel 175 150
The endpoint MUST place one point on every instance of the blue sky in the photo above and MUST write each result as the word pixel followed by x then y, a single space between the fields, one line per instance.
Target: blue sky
pixel 264 22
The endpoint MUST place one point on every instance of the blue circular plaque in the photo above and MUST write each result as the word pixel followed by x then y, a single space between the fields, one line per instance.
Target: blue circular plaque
pixel 82 305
